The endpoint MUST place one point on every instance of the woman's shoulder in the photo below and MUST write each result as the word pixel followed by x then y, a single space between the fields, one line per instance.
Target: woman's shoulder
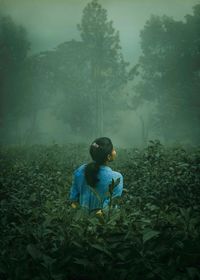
pixel 117 174
pixel 80 169
pixel 113 173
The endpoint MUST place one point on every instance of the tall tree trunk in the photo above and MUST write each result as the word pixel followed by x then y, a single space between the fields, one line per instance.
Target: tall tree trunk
pixel 18 133
pixel 101 115
pixel 97 105
pixel 32 129
pixel 99 101
pixel 144 131
pixel 94 79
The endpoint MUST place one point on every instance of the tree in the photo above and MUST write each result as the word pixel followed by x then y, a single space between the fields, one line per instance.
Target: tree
pixel 170 70
pixel 108 72
pixel 14 48
pixel 37 85
pixel 25 83
pixel 71 77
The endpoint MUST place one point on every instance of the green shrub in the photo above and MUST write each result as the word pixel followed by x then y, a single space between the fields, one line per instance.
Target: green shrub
pixel 153 235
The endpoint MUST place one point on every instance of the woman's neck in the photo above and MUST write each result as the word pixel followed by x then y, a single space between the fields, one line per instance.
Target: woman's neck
pixel 105 163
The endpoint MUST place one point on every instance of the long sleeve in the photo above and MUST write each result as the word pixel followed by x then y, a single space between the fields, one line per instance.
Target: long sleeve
pixel 74 191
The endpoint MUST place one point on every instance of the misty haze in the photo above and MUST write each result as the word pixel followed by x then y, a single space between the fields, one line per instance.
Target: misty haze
pixel 61 83
pixel 100 139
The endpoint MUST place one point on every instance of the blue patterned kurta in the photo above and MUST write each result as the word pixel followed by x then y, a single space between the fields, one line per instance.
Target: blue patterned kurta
pixel 81 192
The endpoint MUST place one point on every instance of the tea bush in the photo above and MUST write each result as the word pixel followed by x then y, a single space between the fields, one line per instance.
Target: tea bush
pixel 155 234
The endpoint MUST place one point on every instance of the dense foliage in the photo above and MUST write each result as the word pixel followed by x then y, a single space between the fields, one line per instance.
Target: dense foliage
pixel 169 71
pixel 85 76
pixel 154 235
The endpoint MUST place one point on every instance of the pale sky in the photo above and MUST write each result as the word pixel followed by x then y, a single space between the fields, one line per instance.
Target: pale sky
pixel 51 22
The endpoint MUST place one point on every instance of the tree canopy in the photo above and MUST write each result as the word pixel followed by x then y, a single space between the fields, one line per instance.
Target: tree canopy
pixel 170 73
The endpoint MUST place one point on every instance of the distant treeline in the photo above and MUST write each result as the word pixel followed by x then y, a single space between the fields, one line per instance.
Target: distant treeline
pixel 95 83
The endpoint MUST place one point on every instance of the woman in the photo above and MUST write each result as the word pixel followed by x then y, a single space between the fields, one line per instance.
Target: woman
pixel 90 185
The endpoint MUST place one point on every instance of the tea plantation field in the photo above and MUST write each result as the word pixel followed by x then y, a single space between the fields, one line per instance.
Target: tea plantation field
pixel 155 234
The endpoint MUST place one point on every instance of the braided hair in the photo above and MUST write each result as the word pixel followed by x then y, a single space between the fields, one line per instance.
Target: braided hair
pixel 99 150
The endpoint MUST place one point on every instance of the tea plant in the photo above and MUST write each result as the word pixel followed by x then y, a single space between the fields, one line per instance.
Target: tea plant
pixel 153 234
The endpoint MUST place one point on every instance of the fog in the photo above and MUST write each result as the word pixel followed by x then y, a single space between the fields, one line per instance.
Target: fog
pixel 39 115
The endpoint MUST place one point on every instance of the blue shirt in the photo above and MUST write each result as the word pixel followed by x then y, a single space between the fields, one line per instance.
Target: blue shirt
pixel 98 197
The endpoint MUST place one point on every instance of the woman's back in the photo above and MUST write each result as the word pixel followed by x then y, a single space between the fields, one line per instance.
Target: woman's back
pixel 98 197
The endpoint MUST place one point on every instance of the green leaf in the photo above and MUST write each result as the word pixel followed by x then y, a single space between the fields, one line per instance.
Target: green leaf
pixel 33 197
pixel 192 272
pixel 33 251
pixel 102 249
pixel 48 261
pixel 113 184
pixel 83 262
pixel 149 234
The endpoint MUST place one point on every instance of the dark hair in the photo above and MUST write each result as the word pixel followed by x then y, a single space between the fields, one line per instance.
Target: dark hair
pixel 99 150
